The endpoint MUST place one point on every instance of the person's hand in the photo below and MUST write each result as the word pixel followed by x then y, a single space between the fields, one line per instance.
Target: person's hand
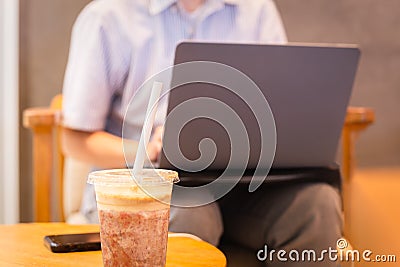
pixel 155 145
pixel 158 134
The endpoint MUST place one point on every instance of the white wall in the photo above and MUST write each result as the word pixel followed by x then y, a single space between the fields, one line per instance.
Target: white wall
pixel 1 117
pixel 9 118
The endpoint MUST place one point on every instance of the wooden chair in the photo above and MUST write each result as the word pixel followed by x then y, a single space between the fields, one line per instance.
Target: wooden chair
pixel 48 158
pixel 357 120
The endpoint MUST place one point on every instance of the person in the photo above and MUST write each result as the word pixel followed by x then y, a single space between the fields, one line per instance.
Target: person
pixel 115 46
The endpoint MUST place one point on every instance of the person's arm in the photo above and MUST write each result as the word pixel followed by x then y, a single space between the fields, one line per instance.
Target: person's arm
pixel 105 150
pixel 96 67
pixel 271 28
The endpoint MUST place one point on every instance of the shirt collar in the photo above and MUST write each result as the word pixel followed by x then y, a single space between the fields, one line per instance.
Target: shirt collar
pixel 157 6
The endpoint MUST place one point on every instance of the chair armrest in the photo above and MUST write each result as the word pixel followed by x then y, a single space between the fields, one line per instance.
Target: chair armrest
pixel 42 122
pixel 40 117
pixel 357 119
pixel 359 116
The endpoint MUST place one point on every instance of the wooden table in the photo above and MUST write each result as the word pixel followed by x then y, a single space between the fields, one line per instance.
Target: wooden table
pixel 22 245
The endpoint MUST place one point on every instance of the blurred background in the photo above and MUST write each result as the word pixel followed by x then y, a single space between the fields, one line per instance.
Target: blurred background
pixel 44 35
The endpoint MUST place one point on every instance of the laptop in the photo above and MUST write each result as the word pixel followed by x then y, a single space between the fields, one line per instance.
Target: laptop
pixel 307 88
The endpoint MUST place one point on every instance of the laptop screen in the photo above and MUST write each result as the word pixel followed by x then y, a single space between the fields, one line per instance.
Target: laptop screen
pixel 300 104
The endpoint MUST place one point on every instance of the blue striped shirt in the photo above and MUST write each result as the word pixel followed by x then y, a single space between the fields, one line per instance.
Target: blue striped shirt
pixel 116 45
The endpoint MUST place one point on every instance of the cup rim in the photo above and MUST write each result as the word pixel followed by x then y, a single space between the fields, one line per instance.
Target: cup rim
pixel 124 177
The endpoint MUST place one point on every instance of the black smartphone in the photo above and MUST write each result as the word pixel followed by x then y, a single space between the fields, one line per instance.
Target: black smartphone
pixel 73 242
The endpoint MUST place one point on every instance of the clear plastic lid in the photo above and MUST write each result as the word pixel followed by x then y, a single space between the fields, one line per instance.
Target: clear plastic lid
pixel 124 177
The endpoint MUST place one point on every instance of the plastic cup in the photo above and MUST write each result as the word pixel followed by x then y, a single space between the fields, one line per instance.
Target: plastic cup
pixel 133 218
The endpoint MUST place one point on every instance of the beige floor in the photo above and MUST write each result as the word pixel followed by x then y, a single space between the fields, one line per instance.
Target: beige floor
pixel 373 221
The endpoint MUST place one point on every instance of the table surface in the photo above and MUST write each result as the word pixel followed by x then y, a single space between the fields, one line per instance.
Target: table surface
pixel 22 245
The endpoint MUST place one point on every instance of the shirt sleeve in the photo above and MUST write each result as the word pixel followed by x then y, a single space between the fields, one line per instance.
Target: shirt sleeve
pixel 271 26
pixel 95 71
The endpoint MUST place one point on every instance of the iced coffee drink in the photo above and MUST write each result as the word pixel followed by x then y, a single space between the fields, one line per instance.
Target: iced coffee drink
pixel 133 217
